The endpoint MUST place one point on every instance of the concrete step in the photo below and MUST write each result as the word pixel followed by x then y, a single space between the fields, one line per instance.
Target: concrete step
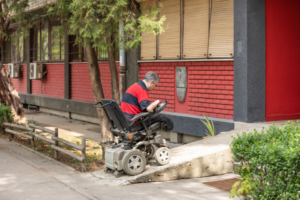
pixel 207 157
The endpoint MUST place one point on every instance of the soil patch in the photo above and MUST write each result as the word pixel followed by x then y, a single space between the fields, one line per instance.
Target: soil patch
pixel 93 149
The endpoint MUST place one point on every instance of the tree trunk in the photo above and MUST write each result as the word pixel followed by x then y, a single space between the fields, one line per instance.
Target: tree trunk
pixel 113 69
pixel 106 135
pixel 10 97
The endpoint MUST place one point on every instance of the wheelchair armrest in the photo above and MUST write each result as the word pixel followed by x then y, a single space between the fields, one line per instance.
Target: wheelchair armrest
pixel 143 114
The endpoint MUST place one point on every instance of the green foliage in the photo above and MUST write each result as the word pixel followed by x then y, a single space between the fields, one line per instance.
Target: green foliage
pixel 210 131
pixel 270 163
pixel 97 21
pixel 5 111
pixel 16 9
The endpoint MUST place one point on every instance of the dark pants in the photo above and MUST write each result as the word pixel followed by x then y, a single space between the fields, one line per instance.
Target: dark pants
pixel 162 118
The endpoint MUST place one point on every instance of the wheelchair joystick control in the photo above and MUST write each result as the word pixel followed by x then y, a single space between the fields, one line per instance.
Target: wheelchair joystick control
pixel 160 107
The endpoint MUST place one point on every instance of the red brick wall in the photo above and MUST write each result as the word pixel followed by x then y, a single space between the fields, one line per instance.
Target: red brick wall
pixel 54 85
pixel 209 91
pixel 20 84
pixel 81 87
pixel 166 87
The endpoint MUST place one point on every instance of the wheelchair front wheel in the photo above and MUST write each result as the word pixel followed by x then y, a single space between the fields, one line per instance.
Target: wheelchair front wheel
pixel 162 156
pixel 134 162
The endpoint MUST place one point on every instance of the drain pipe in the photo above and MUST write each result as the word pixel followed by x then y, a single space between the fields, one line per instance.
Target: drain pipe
pixel 122 63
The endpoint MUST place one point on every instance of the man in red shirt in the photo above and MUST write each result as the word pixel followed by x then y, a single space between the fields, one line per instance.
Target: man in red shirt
pixel 136 100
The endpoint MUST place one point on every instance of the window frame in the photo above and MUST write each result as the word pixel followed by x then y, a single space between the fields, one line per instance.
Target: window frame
pixel 83 53
pixel 5 52
pixel 181 56
pixel 35 47
pixel 10 52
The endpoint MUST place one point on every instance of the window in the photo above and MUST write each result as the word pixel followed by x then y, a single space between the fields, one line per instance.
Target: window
pixel 57 43
pixel 169 41
pixel 44 34
pixel 48 43
pixel 75 49
pixel 221 29
pixel 148 46
pixel 196 24
pixel 193 29
pixel 13 49
pixel 17 48
pixel 78 54
pixel 6 51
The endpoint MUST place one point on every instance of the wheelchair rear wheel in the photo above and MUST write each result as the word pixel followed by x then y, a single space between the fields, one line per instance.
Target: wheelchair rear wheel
pixel 134 162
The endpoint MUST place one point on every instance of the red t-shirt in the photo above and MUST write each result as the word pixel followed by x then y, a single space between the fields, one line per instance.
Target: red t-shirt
pixel 135 100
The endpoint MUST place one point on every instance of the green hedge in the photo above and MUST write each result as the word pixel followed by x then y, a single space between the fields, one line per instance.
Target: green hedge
pixel 5 111
pixel 270 163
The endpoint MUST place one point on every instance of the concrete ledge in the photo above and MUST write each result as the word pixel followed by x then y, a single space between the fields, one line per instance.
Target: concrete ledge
pixel 67 105
pixel 188 60
pixel 183 138
pixel 189 138
pixel 175 137
pixel 191 124
pixel 183 123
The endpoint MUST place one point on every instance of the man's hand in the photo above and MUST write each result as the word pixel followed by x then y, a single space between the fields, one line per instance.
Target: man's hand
pixel 152 106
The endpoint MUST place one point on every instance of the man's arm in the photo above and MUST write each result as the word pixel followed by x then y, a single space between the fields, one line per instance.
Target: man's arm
pixel 152 106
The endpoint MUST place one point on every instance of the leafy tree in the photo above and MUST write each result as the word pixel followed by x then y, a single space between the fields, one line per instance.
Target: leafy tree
pixel 12 11
pixel 96 24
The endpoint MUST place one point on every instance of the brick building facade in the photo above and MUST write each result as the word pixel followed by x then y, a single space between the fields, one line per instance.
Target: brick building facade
pixel 247 72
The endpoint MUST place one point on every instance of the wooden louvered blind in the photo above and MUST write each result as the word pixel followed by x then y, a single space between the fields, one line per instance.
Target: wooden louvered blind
pixel 169 41
pixel 196 24
pixel 221 29
pixel 148 45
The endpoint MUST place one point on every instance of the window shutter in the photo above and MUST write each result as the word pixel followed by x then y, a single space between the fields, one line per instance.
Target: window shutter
pixel 169 41
pixel 221 29
pixel 148 45
pixel 196 22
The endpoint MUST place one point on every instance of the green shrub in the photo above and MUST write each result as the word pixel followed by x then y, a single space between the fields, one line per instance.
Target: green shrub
pixel 270 163
pixel 5 111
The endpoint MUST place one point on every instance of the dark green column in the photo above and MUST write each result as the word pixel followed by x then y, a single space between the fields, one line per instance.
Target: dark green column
pixel 67 69
pixel 28 42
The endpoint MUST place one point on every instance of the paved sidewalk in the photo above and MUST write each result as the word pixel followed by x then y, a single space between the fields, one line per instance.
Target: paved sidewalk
pixel 27 175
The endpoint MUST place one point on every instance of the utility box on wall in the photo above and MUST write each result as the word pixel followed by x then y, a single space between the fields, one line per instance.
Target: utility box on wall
pixel 181 83
pixel 15 70
pixel 37 71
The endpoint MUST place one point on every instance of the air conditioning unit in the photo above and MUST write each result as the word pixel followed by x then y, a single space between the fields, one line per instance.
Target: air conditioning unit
pixel 14 70
pixel 37 71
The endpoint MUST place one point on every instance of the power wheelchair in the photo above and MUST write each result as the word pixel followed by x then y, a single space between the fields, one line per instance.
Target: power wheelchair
pixel 137 140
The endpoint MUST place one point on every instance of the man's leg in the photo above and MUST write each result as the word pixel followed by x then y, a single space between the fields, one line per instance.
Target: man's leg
pixel 162 118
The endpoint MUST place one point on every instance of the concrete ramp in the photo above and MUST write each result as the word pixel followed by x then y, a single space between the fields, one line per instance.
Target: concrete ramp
pixel 207 157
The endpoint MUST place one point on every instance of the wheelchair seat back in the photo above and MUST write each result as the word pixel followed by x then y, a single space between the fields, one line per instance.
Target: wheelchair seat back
pixel 115 115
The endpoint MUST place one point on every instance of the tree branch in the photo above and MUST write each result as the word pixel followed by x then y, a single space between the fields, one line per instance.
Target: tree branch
pixel 1 17
pixel 5 5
